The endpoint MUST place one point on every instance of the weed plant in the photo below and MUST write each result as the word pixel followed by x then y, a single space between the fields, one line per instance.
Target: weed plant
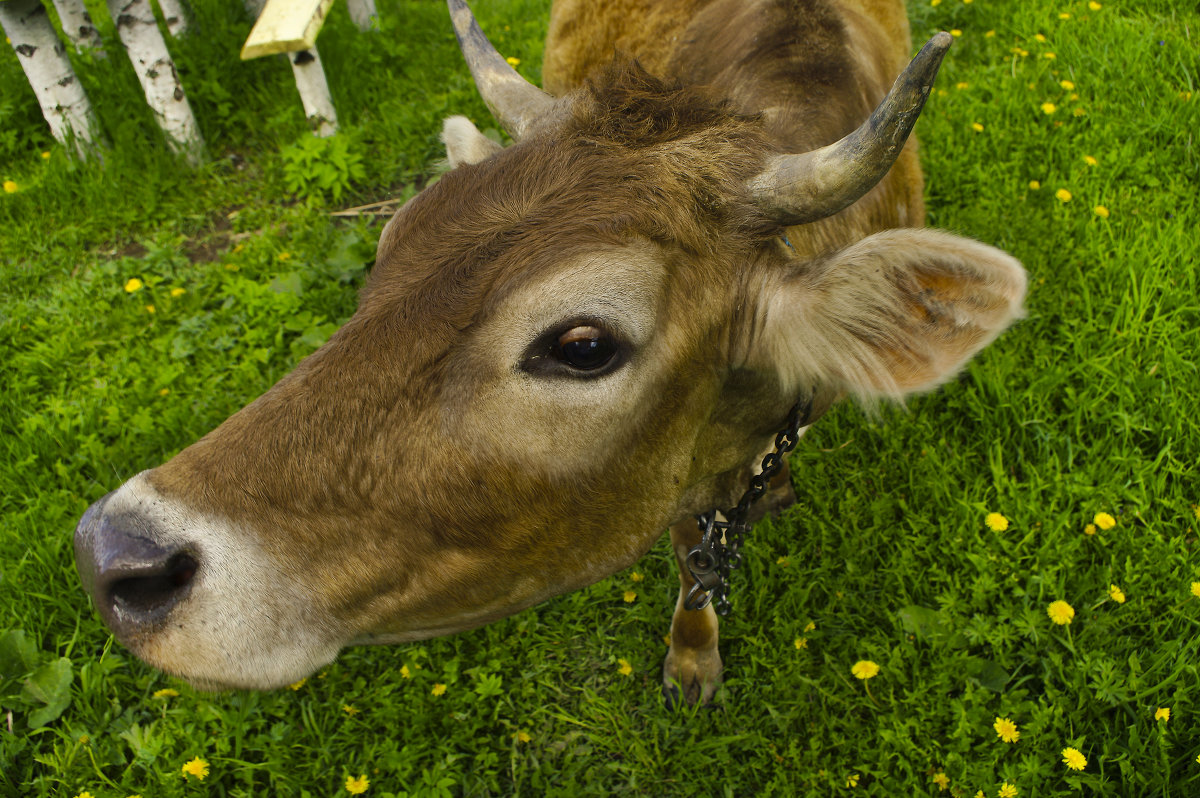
pixel 142 302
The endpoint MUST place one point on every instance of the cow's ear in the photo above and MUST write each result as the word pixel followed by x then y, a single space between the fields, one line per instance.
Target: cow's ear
pixel 464 143
pixel 898 312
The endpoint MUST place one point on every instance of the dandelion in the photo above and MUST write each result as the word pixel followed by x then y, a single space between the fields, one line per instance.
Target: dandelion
pixel 1104 521
pixel 405 673
pixel 133 284
pixel 968 2
pixel 623 667
pixel 1089 530
pixel 1039 37
pixel 801 642
pixel 522 737
pixel 783 561
pixel 84 794
pixel 178 292
pixel 1079 112
pixel 284 256
pixel 1196 589
pixel 1067 85
pixel 197 767
pixel 150 309
pixel 1064 15
pixel 1073 759
pixel 1063 195
pixel 1035 184
pixel 1060 612
pixel 996 522
pixel 630 596
pixel 46 155
pixel 864 669
pixel 636 577
pixel 1116 594
pixel 852 780
pixel 513 61
pixel 989 34
pixel 1094 5
pixel 1007 791
pixel 808 627
pixel 1162 713
pixel 1196 511
pixel 935 3
pixel 955 33
pixel 1049 108
pixel 10 187
pixel 438 689
pixel 357 786
pixel 1089 160
pixel 962 85
pixel 1006 730
pixel 1049 56
pixel 349 710
pixel 978 128
pixel 297 685
pixel 1102 212
pixel 942 781
pixel 166 692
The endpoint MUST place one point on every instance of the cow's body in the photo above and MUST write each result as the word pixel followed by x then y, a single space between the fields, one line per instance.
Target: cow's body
pixel 455 454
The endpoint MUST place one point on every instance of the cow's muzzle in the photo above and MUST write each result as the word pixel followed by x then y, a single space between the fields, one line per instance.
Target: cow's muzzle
pixel 134 580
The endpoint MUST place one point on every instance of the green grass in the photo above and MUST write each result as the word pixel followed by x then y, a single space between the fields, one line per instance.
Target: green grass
pixel 1088 405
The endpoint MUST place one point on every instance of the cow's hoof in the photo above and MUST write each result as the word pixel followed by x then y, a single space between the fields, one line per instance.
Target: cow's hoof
pixel 692 685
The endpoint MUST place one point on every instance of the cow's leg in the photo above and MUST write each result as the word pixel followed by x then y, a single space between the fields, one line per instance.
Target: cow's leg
pixel 692 670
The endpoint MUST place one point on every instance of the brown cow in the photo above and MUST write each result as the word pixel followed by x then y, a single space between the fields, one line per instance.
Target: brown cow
pixel 569 344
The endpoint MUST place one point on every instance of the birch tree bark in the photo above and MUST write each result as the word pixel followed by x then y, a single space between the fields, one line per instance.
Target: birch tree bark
pixel 77 24
pixel 43 57
pixel 173 16
pixel 314 91
pixel 164 93
pixel 362 12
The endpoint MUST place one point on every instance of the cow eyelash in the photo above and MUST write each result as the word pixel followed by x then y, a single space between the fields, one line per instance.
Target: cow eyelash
pixel 578 349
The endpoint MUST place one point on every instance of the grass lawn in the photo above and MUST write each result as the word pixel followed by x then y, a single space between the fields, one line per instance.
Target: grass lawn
pixel 142 302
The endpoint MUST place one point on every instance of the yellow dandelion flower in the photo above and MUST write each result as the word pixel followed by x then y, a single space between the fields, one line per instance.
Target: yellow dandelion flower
pixel 955 33
pixel 1185 95
pixel 522 737
pixel 962 84
pixel 989 34
pixel 1060 612
pixel 513 61
pixel 783 561
pixel 1094 5
pixel 1049 56
pixel 980 794
pixel 852 780
pixel 164 391
pixel 149 308
pixel 1007 791
pixel 1049 108
pixel 808 627
pixel 84 794
pixel 1116 594
pixel 1073 759
pixel 133 284
pixel 1035 184
pixel 801 642
pixel 996 522
pixel 349 710
pixel 1039 37
pixel 10 187
pixel 864 669
pixel 357 786
pixel 1063 195
pixel 1079 112
pixel 1089 160
pixel 166 692
pixel 1196 511
pixel 197 767
pixel 284 256
pixel 978 128
pixel 297 685
pixel 935 3
pixel 1067 85
pixel 46 155
pixel 1162 713
pixel 1006 730
pixel 968 2
pixel 1198 759
pixel 1064 15
pixel 405 673
pixel 629 596
pixel 636 577
pixel 1102 212
pixel 1196 589
pixel 942 781
pixel 1090 529
pixel 623 667
pixel 178 292
pixel 438 689
pixel 1104 521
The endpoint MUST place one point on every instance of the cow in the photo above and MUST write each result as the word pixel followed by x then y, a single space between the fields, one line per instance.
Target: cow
pixel 708 224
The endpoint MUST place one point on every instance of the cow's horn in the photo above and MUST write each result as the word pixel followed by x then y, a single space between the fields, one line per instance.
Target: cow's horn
pixel 515 102
pixel 803 188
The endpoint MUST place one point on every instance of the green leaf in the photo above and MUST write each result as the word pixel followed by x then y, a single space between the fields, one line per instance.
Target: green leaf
pixel 50 686
pixel 986 674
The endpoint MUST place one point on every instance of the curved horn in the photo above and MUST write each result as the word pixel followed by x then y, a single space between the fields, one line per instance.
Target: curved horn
pixel 803 188
pixel 515 102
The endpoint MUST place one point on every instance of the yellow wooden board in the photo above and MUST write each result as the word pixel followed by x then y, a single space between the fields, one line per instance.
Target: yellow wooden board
pixel 285 26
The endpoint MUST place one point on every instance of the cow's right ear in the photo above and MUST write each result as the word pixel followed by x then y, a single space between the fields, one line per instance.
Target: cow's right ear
pixel 896 313
pixel 464 143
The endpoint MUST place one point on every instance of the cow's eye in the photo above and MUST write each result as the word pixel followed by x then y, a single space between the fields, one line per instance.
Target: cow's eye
pixel 585 348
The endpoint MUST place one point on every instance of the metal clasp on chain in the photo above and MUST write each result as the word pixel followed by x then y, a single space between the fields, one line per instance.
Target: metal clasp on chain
pixel 719 549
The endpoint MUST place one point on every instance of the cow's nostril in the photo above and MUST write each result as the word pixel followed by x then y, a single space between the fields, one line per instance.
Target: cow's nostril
pixel 154 590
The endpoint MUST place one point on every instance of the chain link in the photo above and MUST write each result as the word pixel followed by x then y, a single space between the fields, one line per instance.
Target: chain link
pixel 720 548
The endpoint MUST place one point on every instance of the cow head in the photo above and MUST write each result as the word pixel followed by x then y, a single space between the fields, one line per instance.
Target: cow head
pixel 565 345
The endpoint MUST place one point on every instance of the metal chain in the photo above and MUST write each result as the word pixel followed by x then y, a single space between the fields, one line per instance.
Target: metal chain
pixel 719 549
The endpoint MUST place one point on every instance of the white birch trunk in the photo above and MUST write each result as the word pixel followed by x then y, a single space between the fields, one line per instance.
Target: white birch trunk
pixel 156 71
pixel 44 59
pixel 362 12
pixel 253 7
pixel 173 16
pixel 77 24
pixel 314 91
